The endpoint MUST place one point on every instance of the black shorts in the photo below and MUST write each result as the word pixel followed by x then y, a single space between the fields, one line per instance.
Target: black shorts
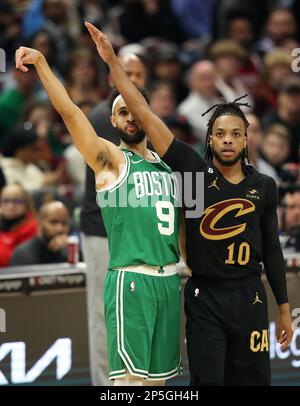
pixel 227 334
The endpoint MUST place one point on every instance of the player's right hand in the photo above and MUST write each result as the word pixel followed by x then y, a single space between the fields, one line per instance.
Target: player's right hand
pixel 26 56
pixel 104 46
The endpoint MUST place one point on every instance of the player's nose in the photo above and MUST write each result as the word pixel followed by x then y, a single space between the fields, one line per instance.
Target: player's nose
pixel 227 139
pixel 130 118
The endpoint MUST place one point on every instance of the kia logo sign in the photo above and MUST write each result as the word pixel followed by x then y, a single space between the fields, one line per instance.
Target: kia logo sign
pixel 61 351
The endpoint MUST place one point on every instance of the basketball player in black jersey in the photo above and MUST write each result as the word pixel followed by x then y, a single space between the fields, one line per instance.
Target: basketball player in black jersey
pixel 226 245
pixel 225 301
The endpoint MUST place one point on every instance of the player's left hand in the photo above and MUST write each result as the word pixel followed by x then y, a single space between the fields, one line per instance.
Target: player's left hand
pixel 104 46
pixel 284 330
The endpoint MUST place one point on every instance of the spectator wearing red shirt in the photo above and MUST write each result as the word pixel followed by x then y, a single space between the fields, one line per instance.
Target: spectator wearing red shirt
pixel 17 222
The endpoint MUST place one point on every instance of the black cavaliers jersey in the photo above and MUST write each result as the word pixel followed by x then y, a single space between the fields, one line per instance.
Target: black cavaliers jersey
pixel 237 229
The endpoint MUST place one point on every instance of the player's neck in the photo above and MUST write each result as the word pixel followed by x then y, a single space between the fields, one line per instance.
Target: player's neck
pixel 140 148
pixel 233 173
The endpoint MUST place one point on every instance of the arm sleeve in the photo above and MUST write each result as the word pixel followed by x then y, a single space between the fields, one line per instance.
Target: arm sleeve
pixel 182 158
pixel 20 257
pixel 272 254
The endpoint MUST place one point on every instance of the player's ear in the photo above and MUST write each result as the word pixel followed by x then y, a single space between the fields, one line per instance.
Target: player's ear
pixel 210 140
pixel 113 121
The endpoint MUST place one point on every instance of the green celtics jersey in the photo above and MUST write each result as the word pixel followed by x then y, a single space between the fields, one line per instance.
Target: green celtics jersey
pixel 141 214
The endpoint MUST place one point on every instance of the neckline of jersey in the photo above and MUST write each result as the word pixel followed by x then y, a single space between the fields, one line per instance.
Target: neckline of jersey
pixel 244 180
pixel 154 154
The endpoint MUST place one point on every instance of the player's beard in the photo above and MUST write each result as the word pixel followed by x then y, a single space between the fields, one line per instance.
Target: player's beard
pixel 131 139
pixel 226 162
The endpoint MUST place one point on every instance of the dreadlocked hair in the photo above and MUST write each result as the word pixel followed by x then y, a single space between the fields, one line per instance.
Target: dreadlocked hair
pixel 226 109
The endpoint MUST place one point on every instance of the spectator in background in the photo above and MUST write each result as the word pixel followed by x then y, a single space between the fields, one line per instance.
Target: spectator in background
pixel 33 18
pixel 44 42
pixel 227 57
pixel 289 220
pixel 13 101
pixel 17 222
pixel 83 77
pixel 162 99
pixel 51 132
pixel 288 114
pixel 291 209
pixel 182 130
pixel 194 17
pixel 58 17
pixel 289 44
pixel 255 138
pixel 165 64
pixel 280 25
pixel 149 18
pixel 19 163
pixel 256 9
pixel 2 179
pixel 276 149
pixel 10 30
pixel 277 68
pixel 50 245
pixel 94 10
pixel 203 94
pixel 240 30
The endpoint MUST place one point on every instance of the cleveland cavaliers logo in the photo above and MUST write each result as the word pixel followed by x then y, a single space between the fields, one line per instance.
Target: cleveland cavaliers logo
pixel 212 214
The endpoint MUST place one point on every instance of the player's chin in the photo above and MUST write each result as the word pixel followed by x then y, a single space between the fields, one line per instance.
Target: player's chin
pixel 130 132
pixel 230 162
pixel 228 158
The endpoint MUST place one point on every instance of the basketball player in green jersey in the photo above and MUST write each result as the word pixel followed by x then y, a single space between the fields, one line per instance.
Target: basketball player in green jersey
pixel 138 196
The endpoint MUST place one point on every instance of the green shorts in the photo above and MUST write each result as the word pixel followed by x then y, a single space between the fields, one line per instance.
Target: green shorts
pixel 142 316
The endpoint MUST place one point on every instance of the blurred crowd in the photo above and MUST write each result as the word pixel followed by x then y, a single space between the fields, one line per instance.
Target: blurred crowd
pixel 193 53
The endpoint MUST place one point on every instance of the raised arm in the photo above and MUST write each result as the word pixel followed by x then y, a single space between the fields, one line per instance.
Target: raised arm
pixel 100 154
pixel 161 137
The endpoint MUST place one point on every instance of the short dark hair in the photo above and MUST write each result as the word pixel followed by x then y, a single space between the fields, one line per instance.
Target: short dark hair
pixel 225 109
pixel 115 93
pixel 18 138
